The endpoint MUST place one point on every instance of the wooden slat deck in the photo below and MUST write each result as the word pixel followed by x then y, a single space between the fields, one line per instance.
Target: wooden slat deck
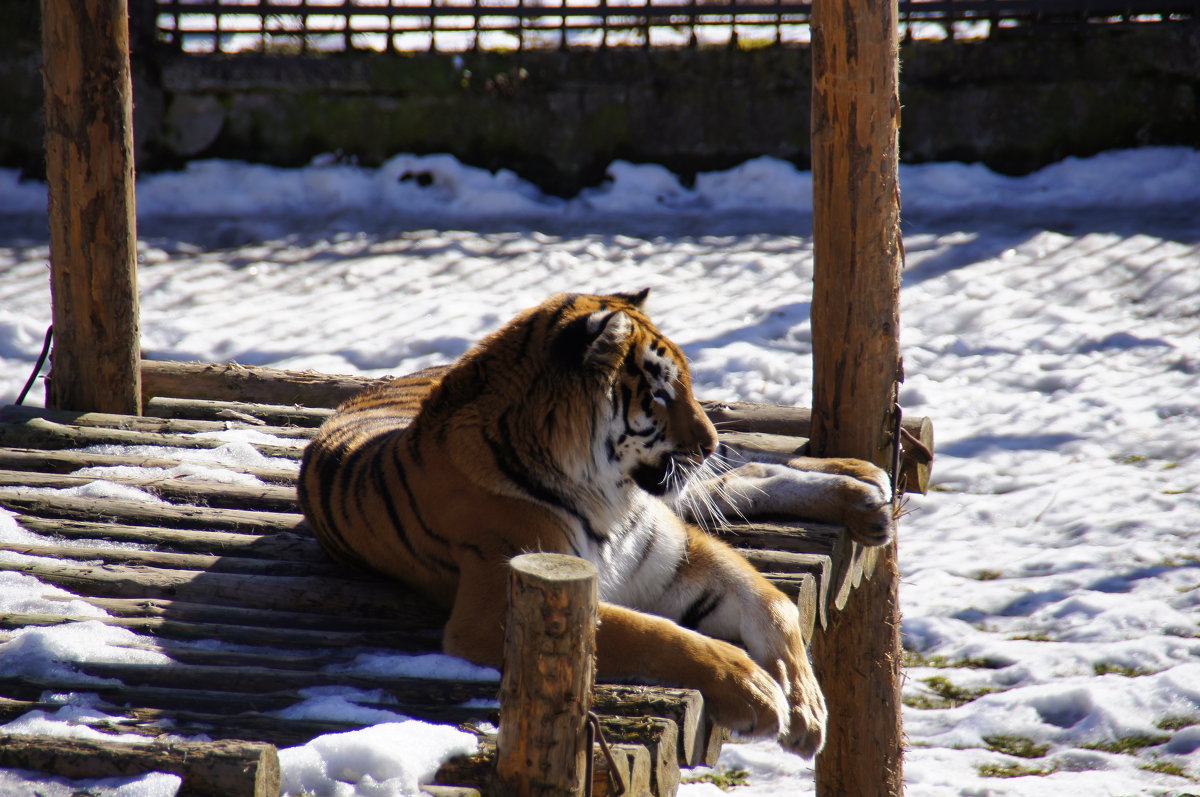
pixel 234 563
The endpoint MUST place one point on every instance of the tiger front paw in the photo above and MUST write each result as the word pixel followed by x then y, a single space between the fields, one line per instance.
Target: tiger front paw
pixel 742 697
pixel 805 735
pixel 865 495
pixel 870 515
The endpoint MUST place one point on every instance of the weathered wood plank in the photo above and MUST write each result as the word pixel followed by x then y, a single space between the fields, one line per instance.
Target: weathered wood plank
pixel 743 416
pixel 41 433
pixel 233 382
pixel 140 423
pixel 310 594
pixel 190 561
pixel 142 513
pixel 684 707
pixel 660 737
pixel 285 546
pixel 283 619
pixel 449 791
pixel 255 414
pixel 180 490
pixel 633 762
pixel 67 461
pixel 406 641
pixel 216 384
pixel 208 769
pixel 408 690
pixel 224 702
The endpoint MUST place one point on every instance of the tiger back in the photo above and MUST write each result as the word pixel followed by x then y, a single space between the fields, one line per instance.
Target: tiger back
pixel 492 457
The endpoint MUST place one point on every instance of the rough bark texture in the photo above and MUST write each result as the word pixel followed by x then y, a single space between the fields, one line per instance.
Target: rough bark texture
pixel 233 382
pixel 855 319
pixel 93 242
pixel 549 666
pixel 632 763
pixel 208 769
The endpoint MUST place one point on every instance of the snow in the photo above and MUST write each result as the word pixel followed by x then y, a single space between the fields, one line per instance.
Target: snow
pixel 1051 581
pixel 365 762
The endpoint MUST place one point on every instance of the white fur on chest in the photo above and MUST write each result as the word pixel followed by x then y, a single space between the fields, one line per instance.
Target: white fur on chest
pixel 641 554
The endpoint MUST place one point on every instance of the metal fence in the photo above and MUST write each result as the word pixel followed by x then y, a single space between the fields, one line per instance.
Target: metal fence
pixel 304 26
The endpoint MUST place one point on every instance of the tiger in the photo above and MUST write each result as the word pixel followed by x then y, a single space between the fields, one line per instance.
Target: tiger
pixel 574 429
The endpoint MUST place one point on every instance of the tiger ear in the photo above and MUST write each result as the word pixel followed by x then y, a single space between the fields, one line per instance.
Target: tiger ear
pixel 609 332
pixel 594 341
pixel 638 300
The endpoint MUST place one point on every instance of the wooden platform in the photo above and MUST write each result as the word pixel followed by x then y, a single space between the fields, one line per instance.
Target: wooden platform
pixel 235 563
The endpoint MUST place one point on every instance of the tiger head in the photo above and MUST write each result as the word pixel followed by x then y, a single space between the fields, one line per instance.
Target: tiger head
pixel 591 385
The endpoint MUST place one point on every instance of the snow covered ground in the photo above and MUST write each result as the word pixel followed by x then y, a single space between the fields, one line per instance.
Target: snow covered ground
pixel 1051 578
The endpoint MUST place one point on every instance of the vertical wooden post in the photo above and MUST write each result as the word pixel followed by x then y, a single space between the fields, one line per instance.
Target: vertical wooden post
pixel 549 668
pixel 93 240
pixel 856 362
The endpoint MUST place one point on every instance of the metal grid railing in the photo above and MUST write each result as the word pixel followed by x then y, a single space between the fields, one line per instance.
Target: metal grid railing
pixel 302 26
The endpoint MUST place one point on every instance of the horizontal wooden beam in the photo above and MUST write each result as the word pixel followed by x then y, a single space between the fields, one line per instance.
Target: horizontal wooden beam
pixel 212 388
pixel 208 769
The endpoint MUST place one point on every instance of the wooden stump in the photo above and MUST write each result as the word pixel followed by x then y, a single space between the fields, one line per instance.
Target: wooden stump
pixel 93 243
pixel 549 666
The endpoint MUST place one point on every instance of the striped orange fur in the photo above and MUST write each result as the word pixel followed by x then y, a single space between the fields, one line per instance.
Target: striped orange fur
pixel 571 429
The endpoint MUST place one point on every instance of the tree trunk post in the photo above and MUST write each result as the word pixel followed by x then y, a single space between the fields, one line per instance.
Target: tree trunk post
pixel 93 240
pixel 549 667
pixel 856 364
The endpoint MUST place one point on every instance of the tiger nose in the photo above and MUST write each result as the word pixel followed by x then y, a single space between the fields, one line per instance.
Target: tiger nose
pixel 708 448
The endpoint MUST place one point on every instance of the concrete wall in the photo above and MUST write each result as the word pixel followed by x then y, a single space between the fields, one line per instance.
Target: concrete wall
pixel 1016 102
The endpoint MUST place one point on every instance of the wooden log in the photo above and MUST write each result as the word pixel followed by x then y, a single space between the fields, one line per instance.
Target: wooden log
pixel 214 385
pixel 257 414
pixel 684 707
pixel 258 647
pixel 222 702
pixel 34 459
pixel 416 641
pixel 283 546
pixel 208 769
pixel 478 771
pixel 41 433
pixel 136 423
pixel 743 416
pixel 263 498
pixel 261 655
pixel 88 102
pixel 248 726
pixel 310 594
pixel 233 382
pixel 856 366
pixel 190 561
pixel 823 551
pixel 448 791
pixel 659 736
pixel 773 421
pixel 549 667
pixel 183 611
pixel 408 690
pixel 142 513
pixel 285 732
